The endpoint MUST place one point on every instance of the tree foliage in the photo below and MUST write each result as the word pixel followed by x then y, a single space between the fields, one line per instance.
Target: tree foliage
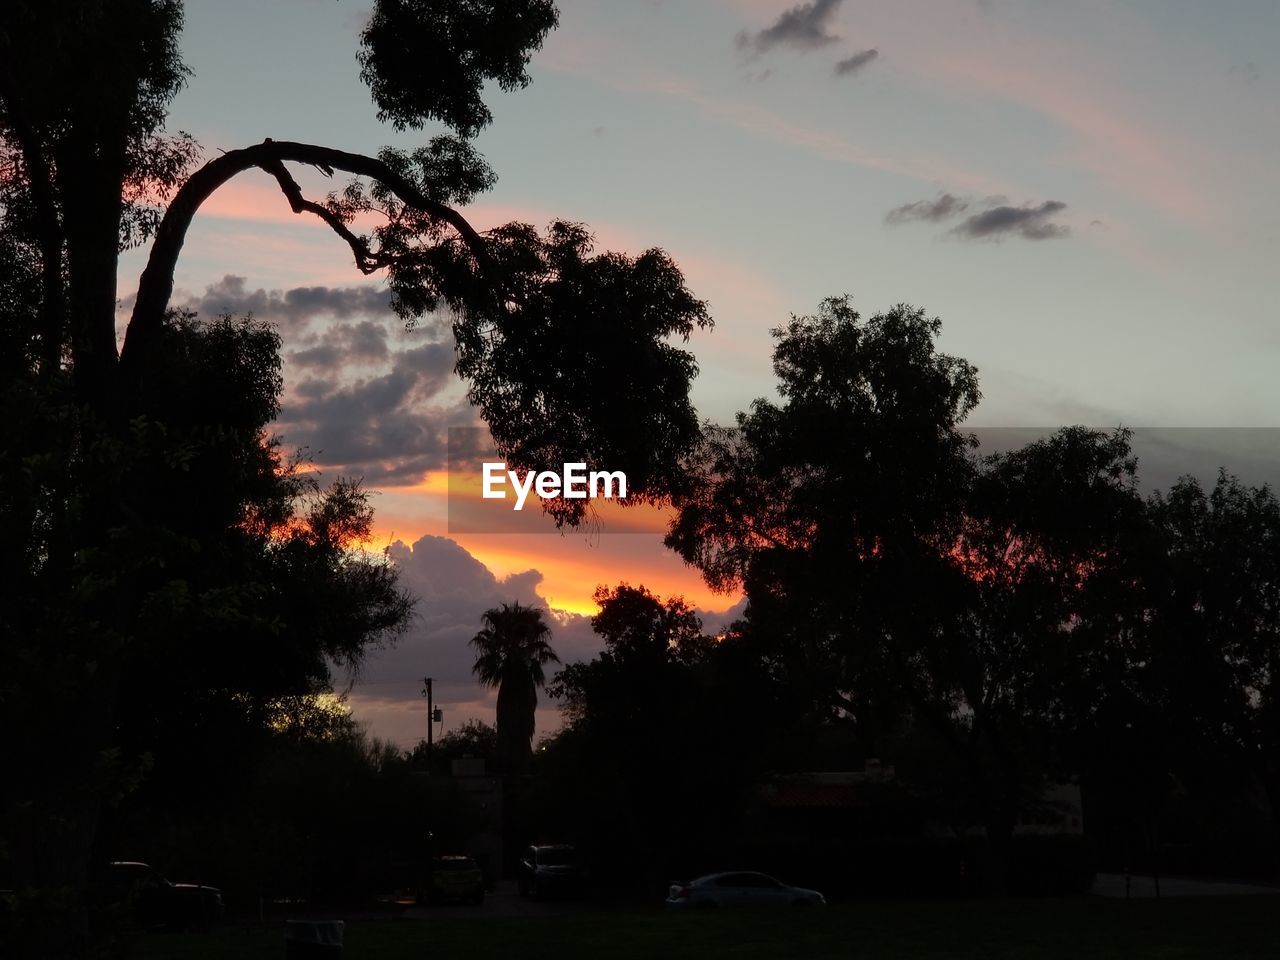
pixel 170 562
pixel 458 46
pixel 664 719
pixel 512 650
pixel 897 577
pixel 1213 651
pixel 828 508
pixel 475 740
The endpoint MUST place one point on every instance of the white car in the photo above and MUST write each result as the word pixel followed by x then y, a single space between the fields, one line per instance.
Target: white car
pixel 739 889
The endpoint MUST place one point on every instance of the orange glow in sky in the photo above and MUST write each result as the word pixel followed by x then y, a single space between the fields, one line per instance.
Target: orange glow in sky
pixel 572 564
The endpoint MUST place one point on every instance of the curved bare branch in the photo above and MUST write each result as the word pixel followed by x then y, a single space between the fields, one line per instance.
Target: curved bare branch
pixel 156 284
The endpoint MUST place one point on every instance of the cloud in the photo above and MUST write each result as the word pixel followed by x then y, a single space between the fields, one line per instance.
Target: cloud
pixel 453 589
pixel 345 344
pixel 714 622
pixel 390 428
pixel 998 221
pixel 850 66
pixel 1028 222
pixel 944 206
pixel 804 27
pixel 290 309
pixel 363 397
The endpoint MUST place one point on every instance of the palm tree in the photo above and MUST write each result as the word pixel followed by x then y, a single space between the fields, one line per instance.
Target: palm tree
pixel 512 649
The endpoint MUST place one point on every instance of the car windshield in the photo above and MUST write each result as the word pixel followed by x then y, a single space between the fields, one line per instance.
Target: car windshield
pixel 556 856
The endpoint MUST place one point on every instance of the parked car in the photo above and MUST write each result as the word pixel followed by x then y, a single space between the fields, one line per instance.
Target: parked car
pixel 739 889
pixel 158 902
pixel 550 870
pixel 453 878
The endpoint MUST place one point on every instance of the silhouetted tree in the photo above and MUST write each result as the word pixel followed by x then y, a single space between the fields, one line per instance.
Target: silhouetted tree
pixel 1049 562
pixel 899 578
pixel 829 508
pixel 1213 654
pixel 664 719
pixel 1175 718
pixel 475 739
pixel 200 623
pixel 560 348
pixel 512 650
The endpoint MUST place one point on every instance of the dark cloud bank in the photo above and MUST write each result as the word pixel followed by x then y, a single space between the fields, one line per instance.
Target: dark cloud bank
pixel 365 398
pixel 289 309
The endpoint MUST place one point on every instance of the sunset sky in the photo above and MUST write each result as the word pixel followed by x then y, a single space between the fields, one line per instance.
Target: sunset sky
pixel 1086 193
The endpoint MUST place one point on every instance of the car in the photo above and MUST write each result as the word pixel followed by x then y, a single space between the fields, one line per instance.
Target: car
pixel 453 878
pixel 742 888
pixel 158 902
pixel 550 870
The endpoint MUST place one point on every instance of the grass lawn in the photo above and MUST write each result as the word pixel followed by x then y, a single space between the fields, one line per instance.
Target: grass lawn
pixel 1211 927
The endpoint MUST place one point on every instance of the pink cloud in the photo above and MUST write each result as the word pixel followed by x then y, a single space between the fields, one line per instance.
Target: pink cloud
pixel 754 119
pixel 1107 139
pixel 253 198
pixel 606 58
pixel 959 52
pixel 1078 81
pixel 308 258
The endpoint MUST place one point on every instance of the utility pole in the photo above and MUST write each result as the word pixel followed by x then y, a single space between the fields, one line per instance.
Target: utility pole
pixel 431 714
pixel 434 716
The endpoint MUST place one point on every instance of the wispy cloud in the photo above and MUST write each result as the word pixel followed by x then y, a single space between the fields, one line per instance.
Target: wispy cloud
pixel 603 58
pixel 850 66
pixel 942 207
pixel 803 27
pixel 1110 134
pixel 759 121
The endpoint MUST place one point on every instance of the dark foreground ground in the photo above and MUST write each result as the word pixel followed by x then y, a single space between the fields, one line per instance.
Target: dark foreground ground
pixel 1085 927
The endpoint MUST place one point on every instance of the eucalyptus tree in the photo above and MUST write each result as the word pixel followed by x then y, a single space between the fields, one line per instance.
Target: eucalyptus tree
pixel 569 356
pixel 899 580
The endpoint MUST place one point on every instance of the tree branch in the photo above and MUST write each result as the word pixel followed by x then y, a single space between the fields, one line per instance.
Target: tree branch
pixel 155 287
pixel 366 262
